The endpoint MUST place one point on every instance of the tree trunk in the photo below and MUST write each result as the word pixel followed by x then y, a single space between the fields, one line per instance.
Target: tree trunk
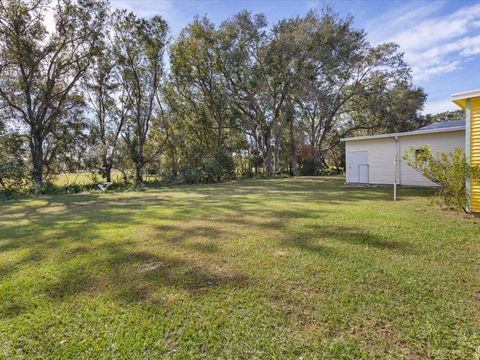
pixel 318 161
pixel 220 136
pixel 268 154
pixel 277 151
pixel 293 150
pixel 138 173
pixel 36 148
pixel 108 172
pixel 173 164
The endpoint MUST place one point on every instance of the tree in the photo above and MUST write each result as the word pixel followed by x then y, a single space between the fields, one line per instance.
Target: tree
pixel 284 62
pixel 258 68
pixel 39 70
pixel 389 106
pixel 343 69
pixel 13 169
pixel 197 81
pixel 107 100
pixel 139 50
pixel 242 47
pixel 443 116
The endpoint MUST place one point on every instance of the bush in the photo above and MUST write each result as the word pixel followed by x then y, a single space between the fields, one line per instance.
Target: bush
pixel 14 175
pixel 217 168
pixel 307 167
pixel 331 170
pixel 450 171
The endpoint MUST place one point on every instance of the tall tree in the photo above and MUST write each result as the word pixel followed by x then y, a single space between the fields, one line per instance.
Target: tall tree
pixel 386 108
pixel 198 82
pixel 257 66
pixel 283 67
pixel 343 67
pixel 139 50
pixel 107 100
pixel 243 41
pixel 40 69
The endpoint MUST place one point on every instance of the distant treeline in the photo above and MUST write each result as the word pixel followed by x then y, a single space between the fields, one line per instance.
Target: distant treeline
pixel 242 98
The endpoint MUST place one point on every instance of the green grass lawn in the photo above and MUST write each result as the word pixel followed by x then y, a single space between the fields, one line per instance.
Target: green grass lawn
pixel 83 178
pixel 286 268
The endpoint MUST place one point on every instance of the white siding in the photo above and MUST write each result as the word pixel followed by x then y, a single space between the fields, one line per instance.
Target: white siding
pixel 439 142
pixel 381 155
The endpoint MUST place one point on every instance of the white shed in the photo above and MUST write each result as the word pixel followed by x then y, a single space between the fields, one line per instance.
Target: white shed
pixel 371 159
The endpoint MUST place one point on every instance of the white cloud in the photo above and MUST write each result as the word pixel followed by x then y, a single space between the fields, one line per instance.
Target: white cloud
pixel 393 22
pixel 438 30
pixel 167 9
pixel 425 71
pixel 313 4
pixel 435 107
pixel 147 8
pixel 49 20
pixel 433 44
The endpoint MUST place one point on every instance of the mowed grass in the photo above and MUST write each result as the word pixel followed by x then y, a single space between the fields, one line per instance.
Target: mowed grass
pixel 287 268
pixel 83 178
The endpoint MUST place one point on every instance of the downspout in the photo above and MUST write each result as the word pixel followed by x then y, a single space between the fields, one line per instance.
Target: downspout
pixel 396 164
pixel 398 158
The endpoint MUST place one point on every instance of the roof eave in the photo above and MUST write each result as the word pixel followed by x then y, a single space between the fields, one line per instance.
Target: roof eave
pixel 410 133
pixel 461 98
pixel 461 103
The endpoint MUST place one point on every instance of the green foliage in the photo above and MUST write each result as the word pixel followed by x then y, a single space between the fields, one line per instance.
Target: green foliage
pixel 13 177
pixel 307 167
pixel 51 188
pixel 445 116
pixel 217 168
pixel 450 171
pixel 139 47
pixel 40 69
pixel 14 174
pixel 333 100
pixel 331 170
pixel 263 92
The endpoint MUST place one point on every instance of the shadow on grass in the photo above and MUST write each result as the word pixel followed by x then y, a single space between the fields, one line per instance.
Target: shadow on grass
pixel 135 275
pixel 68 228
pixel 358 236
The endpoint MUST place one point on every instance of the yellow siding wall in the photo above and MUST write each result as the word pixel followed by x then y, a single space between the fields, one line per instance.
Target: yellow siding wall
pixel 475 151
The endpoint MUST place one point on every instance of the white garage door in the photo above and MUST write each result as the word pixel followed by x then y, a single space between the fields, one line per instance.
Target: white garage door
pixel 357 167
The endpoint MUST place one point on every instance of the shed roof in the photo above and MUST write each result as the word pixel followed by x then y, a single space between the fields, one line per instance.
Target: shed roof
pixel 443 126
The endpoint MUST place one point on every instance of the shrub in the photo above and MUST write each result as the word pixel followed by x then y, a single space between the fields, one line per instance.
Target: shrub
pixel 14 174
pixel 331 170
pixel 216 168
pixel 307 167
pixel 13 178
pixel 450 171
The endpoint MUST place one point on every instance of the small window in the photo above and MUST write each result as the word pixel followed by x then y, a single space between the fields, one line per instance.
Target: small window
pixel 419 152
pixel 420 155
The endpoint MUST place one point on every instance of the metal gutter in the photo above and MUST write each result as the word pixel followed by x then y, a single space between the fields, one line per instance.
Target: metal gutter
pixel 466 94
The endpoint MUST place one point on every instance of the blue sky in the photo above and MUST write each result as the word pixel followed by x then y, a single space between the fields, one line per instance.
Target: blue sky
pixel 440 39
